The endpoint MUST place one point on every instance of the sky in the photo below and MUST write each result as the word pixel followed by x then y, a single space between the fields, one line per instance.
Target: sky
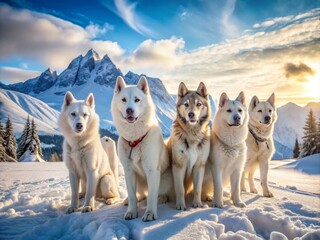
pixel 258 47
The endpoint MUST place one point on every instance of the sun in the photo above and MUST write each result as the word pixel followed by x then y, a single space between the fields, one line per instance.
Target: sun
pixel 313 86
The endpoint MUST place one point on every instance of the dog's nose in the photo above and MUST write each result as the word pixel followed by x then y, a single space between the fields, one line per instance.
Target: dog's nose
pixel 129 111
pixel 79 126
pixel 267 119
pixel 236 118
pixel 191 115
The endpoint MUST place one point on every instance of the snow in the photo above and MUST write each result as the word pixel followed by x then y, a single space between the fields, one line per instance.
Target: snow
pixel 18 106
pixel 309 164
pixel 30 156
pixel 34 197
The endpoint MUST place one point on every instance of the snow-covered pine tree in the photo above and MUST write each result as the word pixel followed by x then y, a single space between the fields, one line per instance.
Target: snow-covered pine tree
pixel 33 135
pixel 10 140
pixel 309 139
pixel 296 150
pixel 22 146
pixel 2 149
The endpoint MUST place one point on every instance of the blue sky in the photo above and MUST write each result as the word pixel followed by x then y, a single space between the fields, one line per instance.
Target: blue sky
pixel 176 41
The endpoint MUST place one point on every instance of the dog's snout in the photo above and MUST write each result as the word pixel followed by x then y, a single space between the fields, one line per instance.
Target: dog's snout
pixel 79 126
pixel 267 118
pixel 191 114
pixel 129 111
pixel 236 118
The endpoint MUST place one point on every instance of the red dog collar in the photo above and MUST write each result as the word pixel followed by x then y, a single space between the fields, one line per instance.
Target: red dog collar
pixel 135 143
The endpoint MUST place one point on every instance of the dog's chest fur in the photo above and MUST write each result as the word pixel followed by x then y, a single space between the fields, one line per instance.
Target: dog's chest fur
pixel 78 160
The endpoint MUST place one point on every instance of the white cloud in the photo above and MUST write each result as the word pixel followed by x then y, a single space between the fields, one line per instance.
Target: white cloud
pixel 95 30
pixel 155 56
pixel 127 12
pixel 10 75
pixel 229 24
pixel 47 39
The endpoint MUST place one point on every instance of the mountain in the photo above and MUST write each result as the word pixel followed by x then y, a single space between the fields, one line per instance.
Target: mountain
pixel 290 123
pixel 91 73
pixel 18 106
pixel 34 85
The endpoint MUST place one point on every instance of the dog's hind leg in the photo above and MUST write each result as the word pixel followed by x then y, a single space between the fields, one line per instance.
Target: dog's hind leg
pixel 83 184
pixel 109 189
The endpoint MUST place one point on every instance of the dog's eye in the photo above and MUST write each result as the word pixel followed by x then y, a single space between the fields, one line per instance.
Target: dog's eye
pixel 199 104
pixel 107 140
pixel 186 105
pixel 85 115
pixel 124 100
pixel 240 110
pixel 73 114
pixel 137 100
pixel 270 111
pixel 260 111
pixel 229 110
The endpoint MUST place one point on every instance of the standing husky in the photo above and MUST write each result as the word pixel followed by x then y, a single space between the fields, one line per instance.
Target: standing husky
pixel 84 155
pixel 228 147
pixel 141 147
pixel 189 143
pixel 260 144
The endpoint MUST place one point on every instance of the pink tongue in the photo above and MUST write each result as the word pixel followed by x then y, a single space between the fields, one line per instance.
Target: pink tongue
pixel 130 118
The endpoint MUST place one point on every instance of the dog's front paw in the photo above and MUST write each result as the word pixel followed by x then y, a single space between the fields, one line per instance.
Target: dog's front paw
pixel 130 215
pixel 72 210
pixel 254 190
pixel 149 216
pixel 163 199
pixel 217 204
pixel 181 207
pixel 111 201
pixel 268 194
pixel 197 204
pixel 240 204
pixel 86 209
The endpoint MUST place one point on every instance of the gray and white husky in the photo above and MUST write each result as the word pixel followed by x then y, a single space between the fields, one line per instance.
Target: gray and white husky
pixel 189 143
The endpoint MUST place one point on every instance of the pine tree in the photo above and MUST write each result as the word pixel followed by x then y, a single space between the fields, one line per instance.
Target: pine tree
pixel 2 149
pixel 309 146
pixel 22 146
pixel 33 136
pixel 10 140
pixel 296 150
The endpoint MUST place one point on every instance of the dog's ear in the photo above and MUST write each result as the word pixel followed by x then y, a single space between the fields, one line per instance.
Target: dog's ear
pixel 223 99
pixel 183 90
pixel 241 98
pixel 143 84
pixel 254 102
pixel 90 100
pixel 272 100
pixel 202 90
pixel 68 98
pixel 120 84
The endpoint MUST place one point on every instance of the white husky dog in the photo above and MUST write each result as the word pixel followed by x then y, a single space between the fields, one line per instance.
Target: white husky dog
pixel 228 147
pixel 84 155
pixel 260 144
pixel 110 147
pixel 140 145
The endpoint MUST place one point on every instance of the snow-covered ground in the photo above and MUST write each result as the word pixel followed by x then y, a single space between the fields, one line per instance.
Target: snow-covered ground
pixel 34 196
